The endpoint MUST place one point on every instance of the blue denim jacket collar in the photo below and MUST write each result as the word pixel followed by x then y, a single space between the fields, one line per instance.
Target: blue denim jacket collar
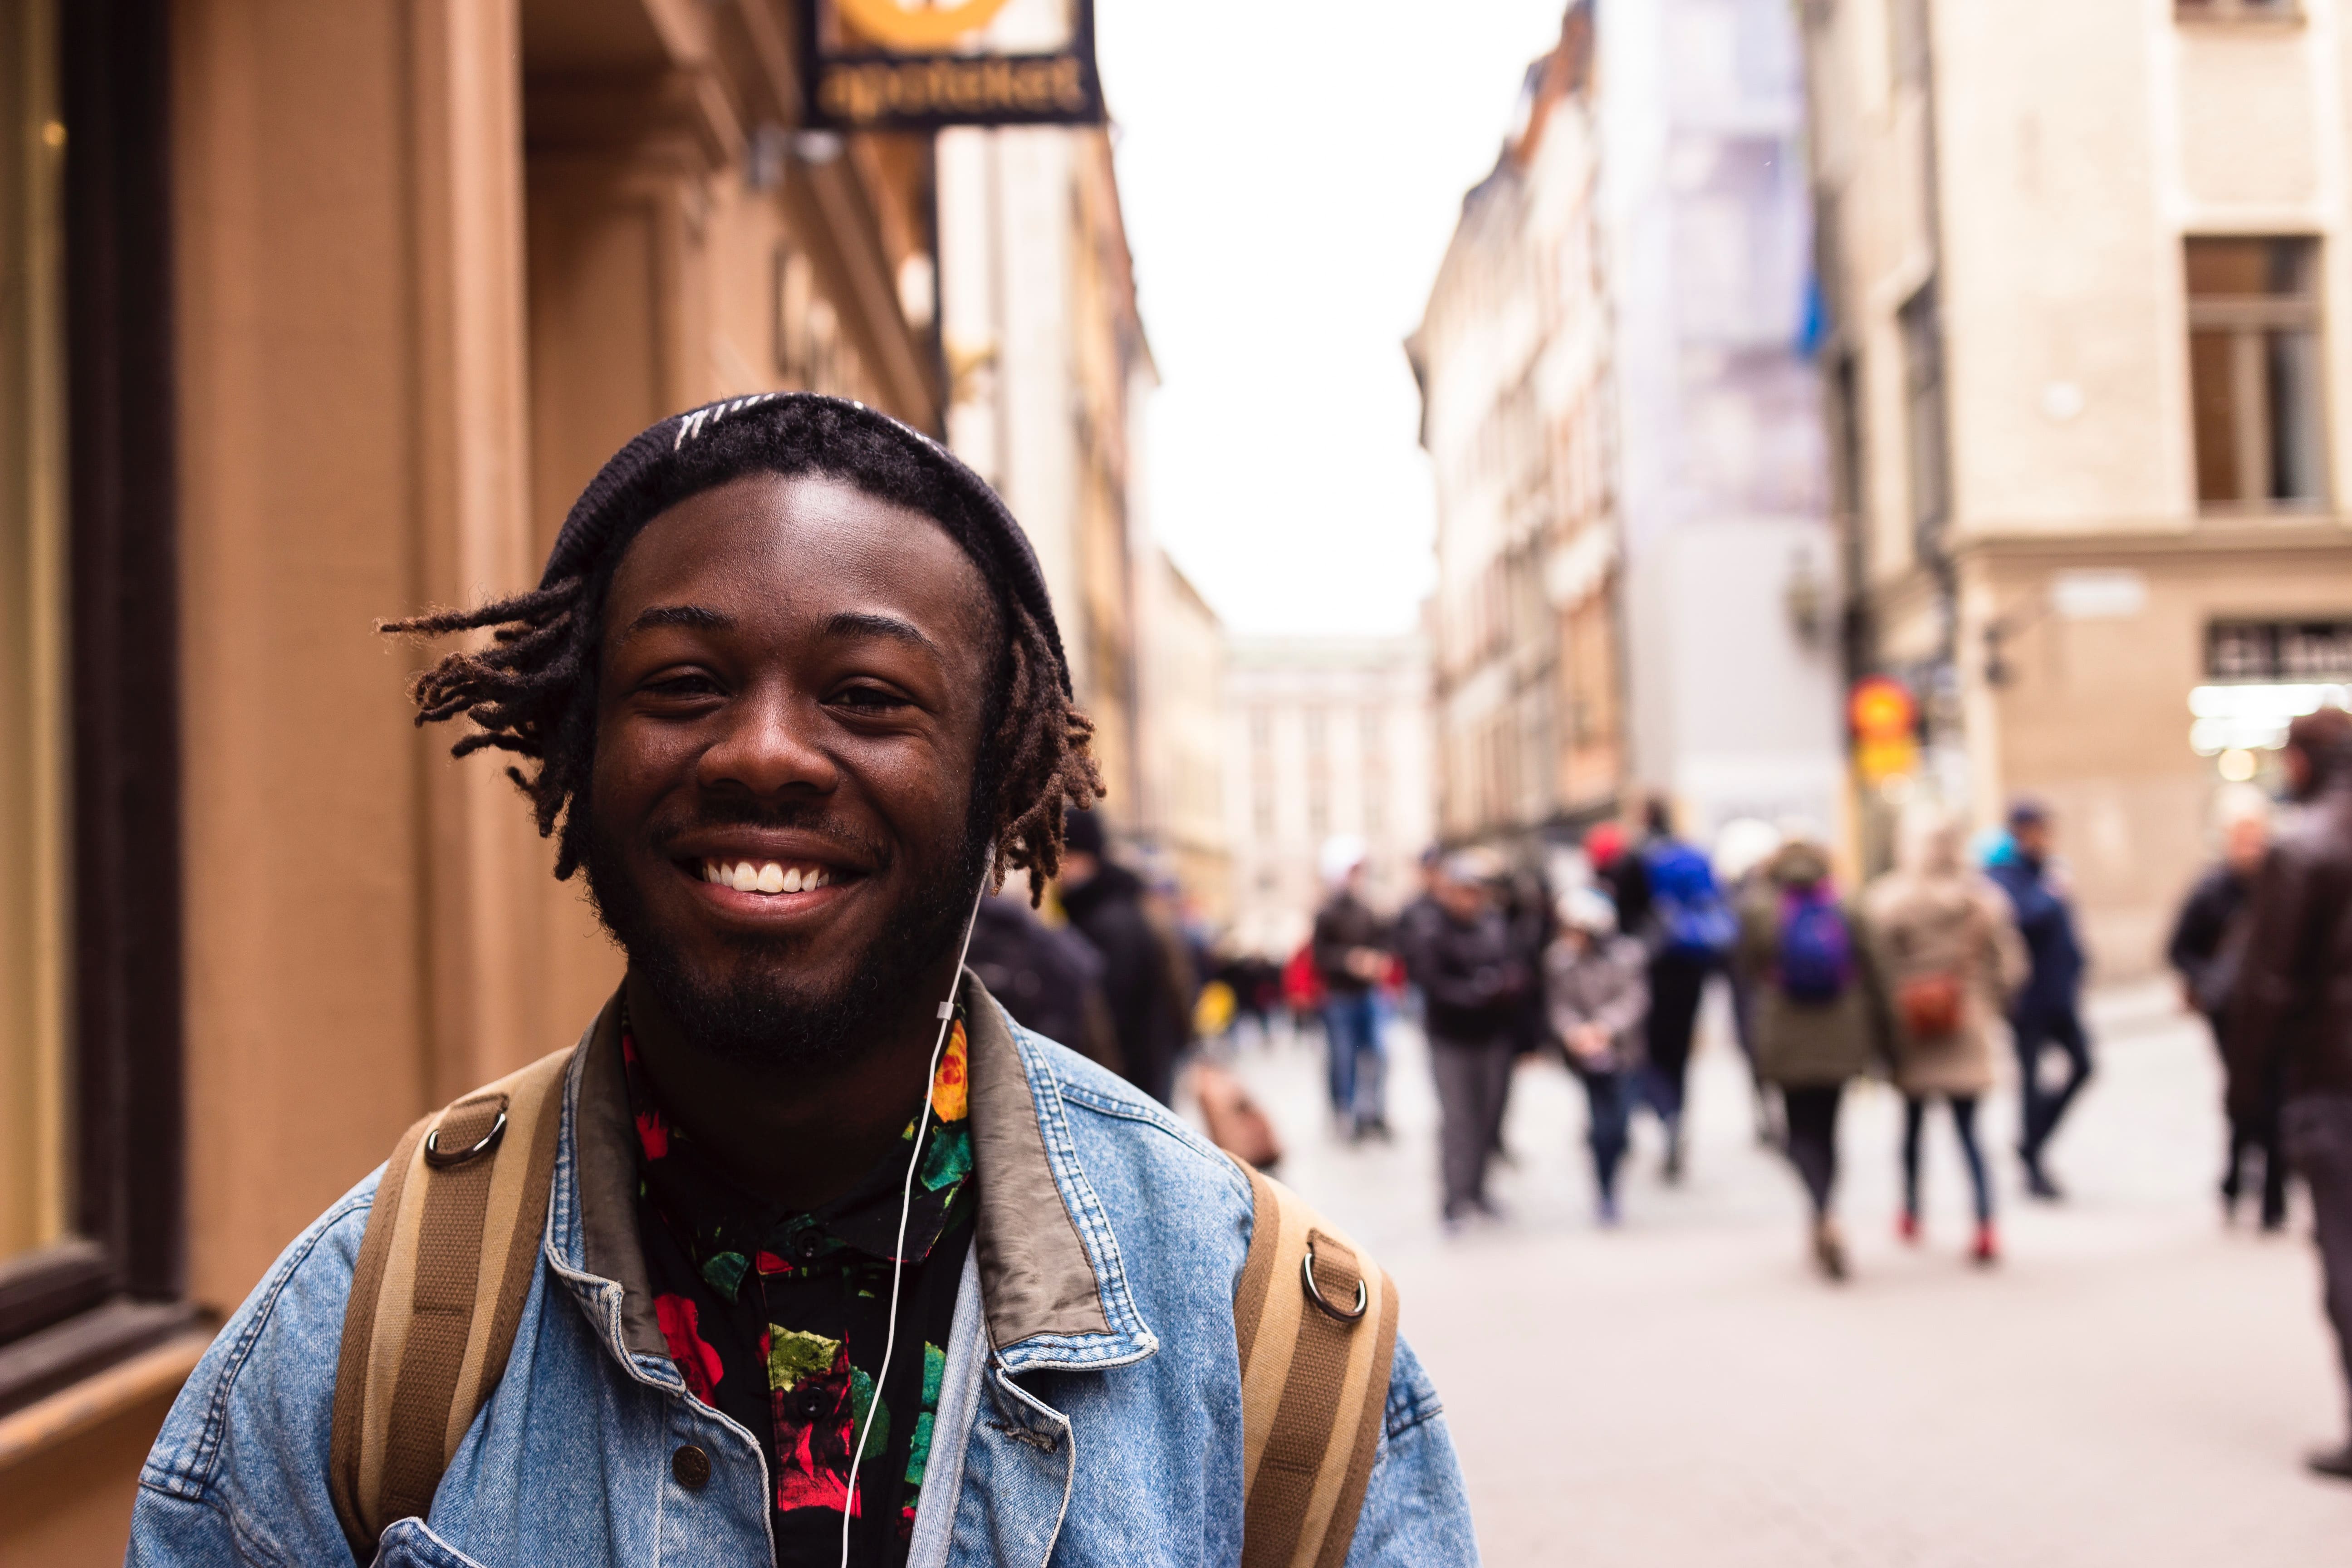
pixel 1052 1281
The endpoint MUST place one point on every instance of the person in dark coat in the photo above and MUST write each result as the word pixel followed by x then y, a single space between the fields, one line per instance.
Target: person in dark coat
pixel 1049 980
pixel 1105 901
pixel 1473 986
pixel 2047 1013
pixel 2202 951
pixel 2291 1011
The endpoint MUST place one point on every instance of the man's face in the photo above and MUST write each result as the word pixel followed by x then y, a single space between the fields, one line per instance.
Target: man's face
pixel 1462 899
pixel 2243 841
pixel 793 680
pixel 2032 838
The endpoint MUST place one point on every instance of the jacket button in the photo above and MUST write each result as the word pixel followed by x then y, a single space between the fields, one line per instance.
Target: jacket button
pixel 690 1467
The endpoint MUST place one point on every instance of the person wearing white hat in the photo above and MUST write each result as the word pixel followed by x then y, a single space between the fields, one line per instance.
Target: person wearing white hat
pixel 1597 997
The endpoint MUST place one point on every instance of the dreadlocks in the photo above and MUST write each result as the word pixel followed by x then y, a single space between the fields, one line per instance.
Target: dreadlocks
pixel 531 689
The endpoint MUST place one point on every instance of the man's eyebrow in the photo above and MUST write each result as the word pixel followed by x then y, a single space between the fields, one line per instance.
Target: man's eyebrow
pixel 698 616
pixel 872 624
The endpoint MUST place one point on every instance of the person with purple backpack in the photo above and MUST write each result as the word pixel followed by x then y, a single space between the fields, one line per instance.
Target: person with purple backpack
pixel 1821 1015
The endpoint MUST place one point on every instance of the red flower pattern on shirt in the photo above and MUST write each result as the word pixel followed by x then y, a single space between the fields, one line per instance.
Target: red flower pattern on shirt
pixel 681 1331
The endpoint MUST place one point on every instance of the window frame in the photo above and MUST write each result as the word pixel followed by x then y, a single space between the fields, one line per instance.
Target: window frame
pixel 2240 12
pixel 118 1286
pixel 2247 319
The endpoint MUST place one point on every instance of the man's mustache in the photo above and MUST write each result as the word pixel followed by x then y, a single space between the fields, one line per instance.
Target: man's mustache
pixel 798 816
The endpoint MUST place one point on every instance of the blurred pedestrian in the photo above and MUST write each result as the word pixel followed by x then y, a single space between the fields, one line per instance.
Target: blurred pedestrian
pixel 1951 959
pixel 1050 980
pixel 1741 848
pixel 1666 895
pixel 1471 988
pixel 2291 1007
pixel 1351 952
pixel 2047 1013
pixel 1151 1001
pixel 1597 997
pixel 1820 1019
pixel 2206 949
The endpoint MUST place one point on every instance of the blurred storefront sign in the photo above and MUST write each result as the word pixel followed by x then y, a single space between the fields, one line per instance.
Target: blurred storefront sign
pixel 2279 651
pixel 894 65
pixel 1886 723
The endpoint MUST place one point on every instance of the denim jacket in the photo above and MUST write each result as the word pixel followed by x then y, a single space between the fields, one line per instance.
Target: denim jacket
pixel 1093 1384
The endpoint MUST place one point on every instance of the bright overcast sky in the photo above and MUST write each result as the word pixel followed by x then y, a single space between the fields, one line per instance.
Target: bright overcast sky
pixel 1291 171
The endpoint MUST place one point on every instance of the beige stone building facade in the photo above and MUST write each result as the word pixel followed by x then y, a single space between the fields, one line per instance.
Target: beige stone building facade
pixel 311 314
pixel 1326 738
pixel 1050 374
pixel 2088 367
pixel 1183 736
pixel 1513 358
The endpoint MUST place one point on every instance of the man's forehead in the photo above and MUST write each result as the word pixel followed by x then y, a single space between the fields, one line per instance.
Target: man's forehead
pixel 813 542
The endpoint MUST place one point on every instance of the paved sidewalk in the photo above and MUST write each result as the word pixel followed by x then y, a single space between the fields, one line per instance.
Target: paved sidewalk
pixel 2133 1386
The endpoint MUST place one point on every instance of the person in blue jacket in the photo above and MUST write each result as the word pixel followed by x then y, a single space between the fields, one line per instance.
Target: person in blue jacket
pixel 2047 1015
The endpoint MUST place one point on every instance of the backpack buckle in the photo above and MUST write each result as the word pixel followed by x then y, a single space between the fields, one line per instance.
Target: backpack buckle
pixel 441 1160
pixel 1315 1292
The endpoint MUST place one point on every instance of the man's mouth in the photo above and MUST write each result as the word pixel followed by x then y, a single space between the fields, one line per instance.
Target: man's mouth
pixel 770 877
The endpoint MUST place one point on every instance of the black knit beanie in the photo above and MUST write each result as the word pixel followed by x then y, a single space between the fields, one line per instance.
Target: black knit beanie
pixel 798 433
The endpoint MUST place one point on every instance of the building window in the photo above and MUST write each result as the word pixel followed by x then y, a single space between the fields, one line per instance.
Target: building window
pixel 2238 10
pixel 90 1224
pixel 1923 397
pixel 2253 370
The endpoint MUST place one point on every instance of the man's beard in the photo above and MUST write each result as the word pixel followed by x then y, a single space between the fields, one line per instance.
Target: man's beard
pixel 760 1015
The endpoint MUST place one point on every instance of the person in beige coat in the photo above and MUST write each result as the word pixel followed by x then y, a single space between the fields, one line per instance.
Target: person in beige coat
pixel 1949 949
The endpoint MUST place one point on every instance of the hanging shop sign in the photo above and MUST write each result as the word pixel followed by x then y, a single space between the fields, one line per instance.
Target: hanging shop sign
pixel 1886 723
pixel 905 65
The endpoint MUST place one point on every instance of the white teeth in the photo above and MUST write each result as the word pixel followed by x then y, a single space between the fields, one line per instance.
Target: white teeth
pixel 769 877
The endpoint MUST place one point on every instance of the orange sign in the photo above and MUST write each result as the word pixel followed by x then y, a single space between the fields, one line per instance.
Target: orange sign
pixel 1881 711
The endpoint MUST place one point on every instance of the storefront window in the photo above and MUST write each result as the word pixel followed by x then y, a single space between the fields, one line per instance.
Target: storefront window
pixel 34 915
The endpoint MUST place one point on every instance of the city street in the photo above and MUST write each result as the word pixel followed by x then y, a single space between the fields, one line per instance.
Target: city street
pixel 2132 1385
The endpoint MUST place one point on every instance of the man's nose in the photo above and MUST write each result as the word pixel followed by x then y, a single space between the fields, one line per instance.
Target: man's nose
pixel 772 745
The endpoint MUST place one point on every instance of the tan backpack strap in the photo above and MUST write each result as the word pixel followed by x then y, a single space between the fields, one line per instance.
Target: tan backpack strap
pixel 1315 1321
pixel 451 1247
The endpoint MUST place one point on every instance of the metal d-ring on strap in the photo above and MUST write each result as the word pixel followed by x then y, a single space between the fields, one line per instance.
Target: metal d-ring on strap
pixel 439 1161
pixel 1314 1293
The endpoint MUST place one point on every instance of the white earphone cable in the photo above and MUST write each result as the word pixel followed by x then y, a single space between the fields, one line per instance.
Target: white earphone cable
pixel 906 1204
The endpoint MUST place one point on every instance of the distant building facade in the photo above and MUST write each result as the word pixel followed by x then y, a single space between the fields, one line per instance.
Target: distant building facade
pixel 1048 375
pixel 2092 436
pixel 1632 542
pixel 1513 357
pixel 1324 738
pixel 1722 492
pixel 1183 740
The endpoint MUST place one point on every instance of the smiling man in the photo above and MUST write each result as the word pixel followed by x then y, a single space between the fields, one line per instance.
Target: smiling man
pixel 805 1253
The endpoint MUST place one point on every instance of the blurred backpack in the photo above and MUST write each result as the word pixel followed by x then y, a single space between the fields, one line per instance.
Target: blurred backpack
pixel 1686 907
pixel 1816 958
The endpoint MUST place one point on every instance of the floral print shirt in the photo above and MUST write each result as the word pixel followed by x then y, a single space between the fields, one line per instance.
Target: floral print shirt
pixel 778 1321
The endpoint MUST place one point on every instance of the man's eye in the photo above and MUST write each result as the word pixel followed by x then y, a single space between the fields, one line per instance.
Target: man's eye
pixel 691 684
pixel 868 699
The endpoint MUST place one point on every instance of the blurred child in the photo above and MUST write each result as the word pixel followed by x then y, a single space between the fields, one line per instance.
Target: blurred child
pixel 1597 997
